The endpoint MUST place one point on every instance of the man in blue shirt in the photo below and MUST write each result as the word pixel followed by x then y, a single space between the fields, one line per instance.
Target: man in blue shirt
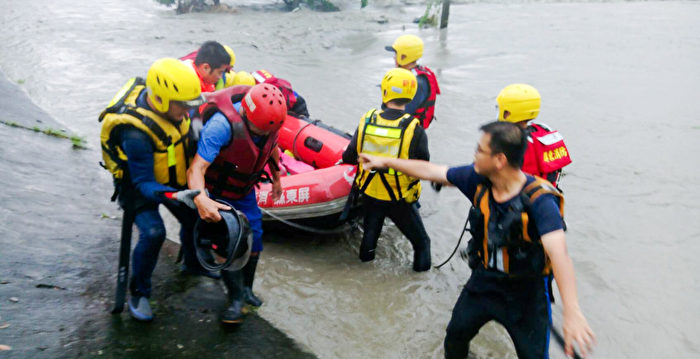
pixel 238 139
pixel 518 241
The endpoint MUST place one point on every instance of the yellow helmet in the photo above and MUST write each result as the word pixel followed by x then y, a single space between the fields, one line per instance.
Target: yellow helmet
pixel 408 48
pixel 398 83
pixel 169 80
pixel 232 54
pixel 243 78
pixel 521 101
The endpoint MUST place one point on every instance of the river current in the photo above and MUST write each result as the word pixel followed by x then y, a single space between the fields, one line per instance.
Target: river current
pixel 619 80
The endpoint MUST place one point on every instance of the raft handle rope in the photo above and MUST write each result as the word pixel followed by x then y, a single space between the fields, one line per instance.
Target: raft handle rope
pixel 459 241
pixel 303 227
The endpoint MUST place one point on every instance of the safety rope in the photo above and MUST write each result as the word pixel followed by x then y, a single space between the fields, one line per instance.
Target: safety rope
pixel 303 227
pixel 459 241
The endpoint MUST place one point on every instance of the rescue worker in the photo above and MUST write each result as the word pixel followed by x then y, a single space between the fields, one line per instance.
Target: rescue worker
pixel 407 50
pixel 211 61
pixel 392 133
pixel 517 242
pixel 147 147
pixel 296 105
pixel 239 138
pixel 546 153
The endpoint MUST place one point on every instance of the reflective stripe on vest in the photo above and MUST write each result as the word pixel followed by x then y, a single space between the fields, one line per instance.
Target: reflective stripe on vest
pixel 388 138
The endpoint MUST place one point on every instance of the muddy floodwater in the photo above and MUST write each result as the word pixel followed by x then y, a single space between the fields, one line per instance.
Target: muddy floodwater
pixel 619 80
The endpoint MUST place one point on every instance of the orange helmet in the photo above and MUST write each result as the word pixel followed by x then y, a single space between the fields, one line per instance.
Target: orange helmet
pixel 265 107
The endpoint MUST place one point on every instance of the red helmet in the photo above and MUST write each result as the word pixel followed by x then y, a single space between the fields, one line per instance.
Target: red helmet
pixel 265 107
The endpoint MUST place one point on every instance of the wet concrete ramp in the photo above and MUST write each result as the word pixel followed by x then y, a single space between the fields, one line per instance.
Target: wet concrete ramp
pixel 59 238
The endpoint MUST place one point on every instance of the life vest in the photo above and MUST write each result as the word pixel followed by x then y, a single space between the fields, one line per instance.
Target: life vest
pixel 388 138
pixel 264 76
pixel 172 143
pixel 546 152
pixel 426 110
pixel 240 163
pixel 508 242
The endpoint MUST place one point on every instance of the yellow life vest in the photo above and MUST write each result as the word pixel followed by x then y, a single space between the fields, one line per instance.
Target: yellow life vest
pixel 171 141
pixel 388 138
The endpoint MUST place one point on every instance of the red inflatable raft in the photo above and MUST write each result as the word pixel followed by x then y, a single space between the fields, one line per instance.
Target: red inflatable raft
pixel 315 187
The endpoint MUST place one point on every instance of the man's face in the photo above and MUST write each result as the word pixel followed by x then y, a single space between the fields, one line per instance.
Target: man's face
pixel 484 162
pixel 211 76
pixel 177 111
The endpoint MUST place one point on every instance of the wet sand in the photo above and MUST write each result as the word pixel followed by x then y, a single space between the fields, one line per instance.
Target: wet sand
pixel 59 240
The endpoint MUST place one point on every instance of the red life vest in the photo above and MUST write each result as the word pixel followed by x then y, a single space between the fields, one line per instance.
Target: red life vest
pixel 240 164
pixel 286 89
pixel 546 152
pixel 204 86
pixel 426 110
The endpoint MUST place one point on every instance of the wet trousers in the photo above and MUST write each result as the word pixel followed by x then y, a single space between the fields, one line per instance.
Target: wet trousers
pixel 407 219
pixel 524 312
pixel 151 237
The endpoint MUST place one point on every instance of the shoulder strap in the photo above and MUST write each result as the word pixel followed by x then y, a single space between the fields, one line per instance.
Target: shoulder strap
pixel 152 125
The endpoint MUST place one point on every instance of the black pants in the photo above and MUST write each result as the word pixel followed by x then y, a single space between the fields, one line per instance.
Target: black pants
pixel 523 311
pixel 407 219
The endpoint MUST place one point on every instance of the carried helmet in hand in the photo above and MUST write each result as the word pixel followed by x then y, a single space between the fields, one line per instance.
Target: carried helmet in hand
pixel 170 80
pixel 398 83
pixel 520 100
pixel 265 107
pixel 225 244
pixel 408 48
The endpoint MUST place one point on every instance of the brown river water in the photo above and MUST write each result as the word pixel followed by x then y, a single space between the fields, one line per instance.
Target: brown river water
pixel 619 80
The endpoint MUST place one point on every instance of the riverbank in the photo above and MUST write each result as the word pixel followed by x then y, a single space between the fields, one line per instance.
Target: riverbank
pixel 60 238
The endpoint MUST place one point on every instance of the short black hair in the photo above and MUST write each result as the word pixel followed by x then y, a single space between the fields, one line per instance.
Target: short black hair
pixel 507 138
pixel 212 53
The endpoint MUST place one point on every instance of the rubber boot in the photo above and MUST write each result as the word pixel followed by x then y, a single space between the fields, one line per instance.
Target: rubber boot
pixel 248 278
pixel 234 283
pixel 421 258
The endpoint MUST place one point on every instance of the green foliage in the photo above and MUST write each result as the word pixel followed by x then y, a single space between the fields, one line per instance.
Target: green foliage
pixel 363 3
pixel 166 2
pixel 21 81
pixel 77 141
pixel 430 17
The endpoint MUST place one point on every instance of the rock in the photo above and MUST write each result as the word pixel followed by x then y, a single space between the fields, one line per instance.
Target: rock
pixel 4 326
pixel 14 299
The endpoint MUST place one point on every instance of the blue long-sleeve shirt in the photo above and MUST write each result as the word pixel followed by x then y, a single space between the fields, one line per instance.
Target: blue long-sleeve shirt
pixel 139 150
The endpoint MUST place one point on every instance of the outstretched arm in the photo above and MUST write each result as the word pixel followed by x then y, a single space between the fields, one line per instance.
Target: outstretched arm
pixel 414 168
pixel 575 325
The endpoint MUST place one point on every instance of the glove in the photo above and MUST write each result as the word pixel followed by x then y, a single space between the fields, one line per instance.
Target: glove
pixel 187 196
